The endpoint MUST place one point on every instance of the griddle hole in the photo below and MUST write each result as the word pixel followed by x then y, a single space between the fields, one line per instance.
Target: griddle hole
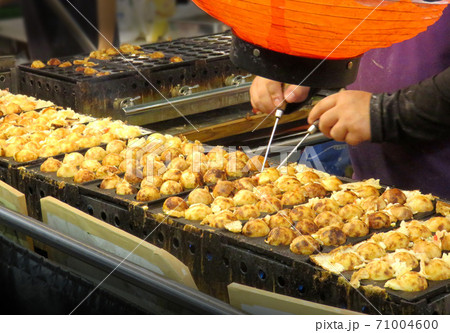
pixel 103 216
pixel 205 72
pixel 42 193
pixel 301 289
pixel 23 80
pixel 243 268
pixel 191 248
pixel 90 210
pixel 280 281
pixel 30 190
pixel 226 262
pixel 175 243
pixel 31 82
pixel 39 84
pixel 146 84
pixel 116 221
pixel 160 237
pixel 158 82
pixel 47 86
pixel 182 77
pixel 262 275
pixel 209 256
pixel 193 75
pixel 56 88
pixel 134 86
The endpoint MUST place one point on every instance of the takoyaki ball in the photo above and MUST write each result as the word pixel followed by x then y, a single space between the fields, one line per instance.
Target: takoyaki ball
pixel 196 158
pixel 306 226
pixel 72 137
pixel 326 219
pixel 197 212
pixel 212 176
pixel 148 193
pixel 67 170
pixel 268 189
pixel 73 159
pixel 246 212
pixel 445 242
pixel 170 187
pixel 15 131
pixel 152 181
pixel 280 236
pixel 255 163
pixel 66 146
pixel 154 147
pixel 393 196
pixel 178 163
pixel 370 250
pixel 377 220
pixel 110 182
pixel 175 206
pixel 129 166
pixel 256 228
pixel 38 137
pixel 355 228
pixel 406 258
pixel 156 137
pixel 436 269
pixel 236 169
pixel 287 183
pixel 331 183
pixel 305 245
pixel 198 167
pixel 269 204
pixel 200 195
pixel 438 223
pixel 281 219
pixel 366 191
pixel 49 150
pixel 191 179
pixel 236 155
pixel 400 212
pixel 222 203
pixel 33 146
pixel 125 188
pixel 50 165
pixel 59 133
pixel 326 205
pixel 88 142
pixel 95 153
pixel 173 142
pixel 216 163
pixel 147 158
pixel 108 137
pixel 331 236
pixel 420 203
pixel 154 168
pixel 373 203
pixel 83 176
pixel 18 140
pixel 350 212
pixel 245 197
pixel 417 230
pixel 292 198
pixel 188 148
pixel 12 149
pixel 105 171
pixel 216 152
pixel 112 159
pixel 172 174
pixel 409 281
pixel 268 175
pixel 131 153
pixel 223 188
pixel 348 260
pixel 344 197
pixel 377 270
pixel 429 249
pixel 169 154
pixel 133 176
pixel 219 220
pixel 25 155
pixel 395 240
pixel 302 212
pixel 245 183
pixel 314 190
pixel 308 177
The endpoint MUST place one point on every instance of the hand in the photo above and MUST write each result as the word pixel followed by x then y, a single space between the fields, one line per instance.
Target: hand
pixel 344 116
pixel 266 95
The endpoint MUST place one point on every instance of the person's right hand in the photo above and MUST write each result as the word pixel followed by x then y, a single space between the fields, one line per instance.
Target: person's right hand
pixel 267 95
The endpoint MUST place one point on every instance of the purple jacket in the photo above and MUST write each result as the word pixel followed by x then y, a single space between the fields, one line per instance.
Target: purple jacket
pixel 424 166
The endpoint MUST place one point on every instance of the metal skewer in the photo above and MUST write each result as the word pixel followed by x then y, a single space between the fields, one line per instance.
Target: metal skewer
pixel 311 130
pixel 278 115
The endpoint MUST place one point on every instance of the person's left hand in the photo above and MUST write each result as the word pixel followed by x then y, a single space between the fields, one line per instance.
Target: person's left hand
pixel 344 116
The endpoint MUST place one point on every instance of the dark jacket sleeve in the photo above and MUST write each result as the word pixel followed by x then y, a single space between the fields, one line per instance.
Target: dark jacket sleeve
pixel 419 112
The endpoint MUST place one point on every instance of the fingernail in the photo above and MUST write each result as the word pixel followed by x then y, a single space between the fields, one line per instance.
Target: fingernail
pixel 276 101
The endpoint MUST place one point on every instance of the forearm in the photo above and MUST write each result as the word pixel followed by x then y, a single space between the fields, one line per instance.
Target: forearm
pixel 420 112
pixel 106 16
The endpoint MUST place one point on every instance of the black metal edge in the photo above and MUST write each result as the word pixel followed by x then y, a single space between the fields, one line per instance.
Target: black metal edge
pixel 145 279
pixel 318 73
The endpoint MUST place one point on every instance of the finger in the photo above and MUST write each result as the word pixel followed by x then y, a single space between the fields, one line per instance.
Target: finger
pixel 353 139
pixel 327 121
pixel 295 94
pixel 339 131
pixel 275 91
pixel 320 108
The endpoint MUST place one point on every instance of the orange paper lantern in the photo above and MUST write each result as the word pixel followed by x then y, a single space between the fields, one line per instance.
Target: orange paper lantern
pixel 333 29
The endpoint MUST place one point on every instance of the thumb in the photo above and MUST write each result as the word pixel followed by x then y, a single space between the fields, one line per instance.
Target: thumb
pixel 295 94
